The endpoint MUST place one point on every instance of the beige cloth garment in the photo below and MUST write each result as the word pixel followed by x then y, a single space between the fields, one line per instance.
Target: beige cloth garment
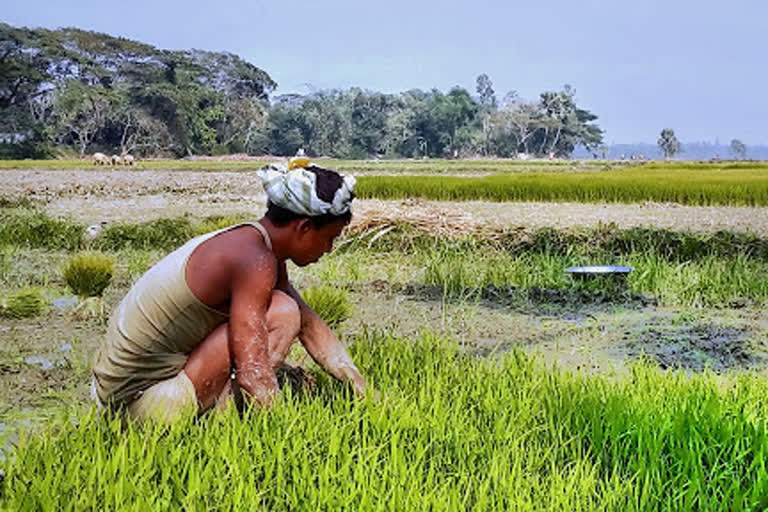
pixel 165 402
pixel 155 327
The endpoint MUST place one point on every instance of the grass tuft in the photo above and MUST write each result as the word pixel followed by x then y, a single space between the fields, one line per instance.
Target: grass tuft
pixel 34 229
pixel 166 234
pixel 24 303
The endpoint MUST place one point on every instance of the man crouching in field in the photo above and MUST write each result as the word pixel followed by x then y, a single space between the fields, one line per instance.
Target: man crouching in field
pixel 220 312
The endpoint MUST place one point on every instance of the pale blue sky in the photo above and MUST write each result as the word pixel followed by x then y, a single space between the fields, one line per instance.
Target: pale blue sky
pixel 698 66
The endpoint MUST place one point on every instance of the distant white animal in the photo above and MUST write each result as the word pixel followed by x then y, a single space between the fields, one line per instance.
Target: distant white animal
pixel 94 230
pixel 523 156
pixel 100 159
pixel 128 160
pixel 116 160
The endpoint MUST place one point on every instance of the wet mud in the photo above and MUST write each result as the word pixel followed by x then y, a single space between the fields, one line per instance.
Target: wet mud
pixel 696 347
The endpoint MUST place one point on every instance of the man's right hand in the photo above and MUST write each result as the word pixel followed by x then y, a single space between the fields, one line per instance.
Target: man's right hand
pixel 258 382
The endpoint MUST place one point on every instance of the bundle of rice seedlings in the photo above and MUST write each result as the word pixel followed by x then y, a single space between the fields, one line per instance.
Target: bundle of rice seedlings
pixel 332 304
pixel 88 274
pixel 24 303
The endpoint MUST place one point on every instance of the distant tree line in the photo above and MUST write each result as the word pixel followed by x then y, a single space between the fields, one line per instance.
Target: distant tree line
pixel 85 91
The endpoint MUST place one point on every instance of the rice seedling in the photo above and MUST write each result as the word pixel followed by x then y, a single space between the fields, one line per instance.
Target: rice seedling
pixel 451 432
pixel 24 303
pixel 88 274
pixel 331 304
pixel 697 186
pixel 708 282
pixel 37 230
pixel 409 166
pixel 683 269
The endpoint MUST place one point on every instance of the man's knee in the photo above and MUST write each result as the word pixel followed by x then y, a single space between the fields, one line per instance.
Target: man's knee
pixel 284 313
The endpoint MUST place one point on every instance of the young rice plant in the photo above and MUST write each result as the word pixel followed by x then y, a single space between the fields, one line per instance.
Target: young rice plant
pixel 450 432
pixel 331 304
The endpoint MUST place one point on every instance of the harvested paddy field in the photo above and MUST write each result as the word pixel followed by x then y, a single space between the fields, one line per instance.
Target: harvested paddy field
pixel 575 395
pixel 91 196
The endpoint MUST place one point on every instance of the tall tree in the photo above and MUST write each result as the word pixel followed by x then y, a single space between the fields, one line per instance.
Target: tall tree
pixel 441 117
pixel 738 149
pixel 668 143
pixel 487 98
pixel 514 125
pixel 485 91
pixel 81 111
pixel 369 119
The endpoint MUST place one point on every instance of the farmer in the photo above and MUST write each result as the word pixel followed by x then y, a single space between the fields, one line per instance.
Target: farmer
pixel 218 315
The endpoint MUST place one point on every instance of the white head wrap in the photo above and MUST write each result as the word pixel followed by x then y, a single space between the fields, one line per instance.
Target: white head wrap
pixel 295 191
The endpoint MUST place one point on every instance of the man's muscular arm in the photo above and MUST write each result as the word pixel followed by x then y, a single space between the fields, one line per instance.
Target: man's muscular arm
pixel 252 285
pixel 320 341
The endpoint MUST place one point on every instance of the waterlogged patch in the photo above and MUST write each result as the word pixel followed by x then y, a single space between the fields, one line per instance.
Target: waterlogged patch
pixel 65 303
pixel 695 347
pixel 43 362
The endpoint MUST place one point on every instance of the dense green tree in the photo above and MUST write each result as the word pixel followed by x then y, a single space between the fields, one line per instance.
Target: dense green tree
pixel 24 98
pixel 91 91
pixel 399 136
pixel 286 129
pixel 439 119
pixel 81 112
pixel 82 88
pixel 369 120
pixel 244 126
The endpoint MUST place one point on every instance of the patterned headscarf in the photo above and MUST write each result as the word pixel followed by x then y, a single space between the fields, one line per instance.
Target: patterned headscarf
pixel 295 191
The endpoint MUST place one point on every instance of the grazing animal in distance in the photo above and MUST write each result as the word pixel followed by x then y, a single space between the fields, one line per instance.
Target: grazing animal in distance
pixel 116 160
pixel 100 159
pixel 128 160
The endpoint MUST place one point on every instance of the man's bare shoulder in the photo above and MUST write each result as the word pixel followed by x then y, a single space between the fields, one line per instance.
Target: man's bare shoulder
pixel 246 245
pixel 228 260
